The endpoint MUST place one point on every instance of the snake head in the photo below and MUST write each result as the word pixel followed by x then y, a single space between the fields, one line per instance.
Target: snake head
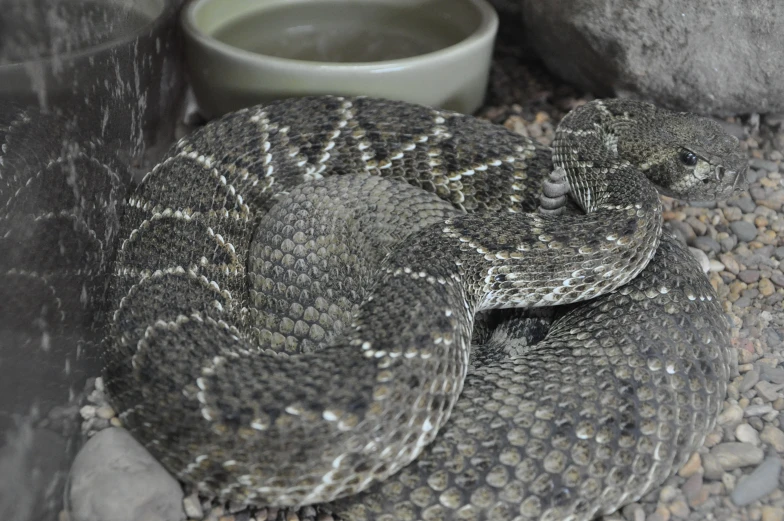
pixel 696 160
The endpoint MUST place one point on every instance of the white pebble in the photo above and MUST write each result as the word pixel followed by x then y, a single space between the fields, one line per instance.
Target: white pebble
pixel 87 412
pixel 701 257
pixel 747 434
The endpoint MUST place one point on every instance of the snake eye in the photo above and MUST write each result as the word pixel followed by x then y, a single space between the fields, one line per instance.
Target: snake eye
pixel 688 158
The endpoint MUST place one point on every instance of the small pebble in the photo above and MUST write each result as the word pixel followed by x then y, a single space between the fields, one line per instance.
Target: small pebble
pixel 750 379
pixel 766 287
pixel 731 415
pixel 745 433
pixel 773 374
pixel 733 455
pixel 732 213
pixel 749 276
pixel 692 486
pixel 680 509
pixel 729 262
pixel 763 164
pixel 701 258
pixel 706 244
pixel 712 467
pixel 745 231
pixel 758 410
pixel 774 437
pixel 633 512
pixel 692 466
pixel 716 266
pixel 758 484
pixel 661 514
pixel 668 493
pixel 770 513
pixel 768 391
pixel 105 412
pixel 87 412
pixel 192 506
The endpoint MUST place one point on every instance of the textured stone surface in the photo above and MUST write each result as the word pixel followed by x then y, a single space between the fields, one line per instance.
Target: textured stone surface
pixel 713 56
pixel 758 484
pixel 114 478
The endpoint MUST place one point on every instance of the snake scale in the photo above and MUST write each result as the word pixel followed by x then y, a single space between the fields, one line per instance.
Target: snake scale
pixel 284 336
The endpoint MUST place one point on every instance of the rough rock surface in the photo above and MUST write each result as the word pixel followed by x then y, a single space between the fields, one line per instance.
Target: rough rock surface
pixel 711 56
pixel 114 478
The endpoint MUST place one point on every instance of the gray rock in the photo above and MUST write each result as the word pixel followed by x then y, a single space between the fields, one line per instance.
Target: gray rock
pixel 728 243
pixel 750 379
pixel 683 230
pixel 707 244
pixel 745 231
pixel 731 415
pixel 114 477
pixel 712 467
pixel 758 484
pixel 701 258
pixel 773 374
pixel 749 276
pixel 758 410
pixel 732 455
pixel 678 54
pixel 768 391
pixel 745 203
pixel 764 164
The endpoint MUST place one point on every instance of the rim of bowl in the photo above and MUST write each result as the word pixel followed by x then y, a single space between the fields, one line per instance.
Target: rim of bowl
pixel 487 28
pixel 165 7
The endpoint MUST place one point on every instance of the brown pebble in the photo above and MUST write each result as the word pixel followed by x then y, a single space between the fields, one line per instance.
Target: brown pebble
pixel 680 509
pixel 732 213
pixel 692 466
pixel 772 513
pixel 667 493
pixel 766 287
pixel 774 437
pixel 700 497
pixel 661 514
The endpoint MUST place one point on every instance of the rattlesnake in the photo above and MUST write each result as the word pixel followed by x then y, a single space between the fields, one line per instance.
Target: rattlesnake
pixel 242 241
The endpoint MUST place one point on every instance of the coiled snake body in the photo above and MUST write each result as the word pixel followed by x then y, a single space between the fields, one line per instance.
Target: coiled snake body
pixel 244 242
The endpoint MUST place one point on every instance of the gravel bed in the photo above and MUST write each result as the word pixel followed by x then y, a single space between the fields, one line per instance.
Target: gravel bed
pixel 736 474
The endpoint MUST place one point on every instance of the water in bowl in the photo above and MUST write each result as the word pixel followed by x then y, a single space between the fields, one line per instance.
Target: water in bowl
pixel 336 32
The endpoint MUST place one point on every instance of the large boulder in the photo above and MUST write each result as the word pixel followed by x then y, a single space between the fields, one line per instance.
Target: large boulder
pixel 710 56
